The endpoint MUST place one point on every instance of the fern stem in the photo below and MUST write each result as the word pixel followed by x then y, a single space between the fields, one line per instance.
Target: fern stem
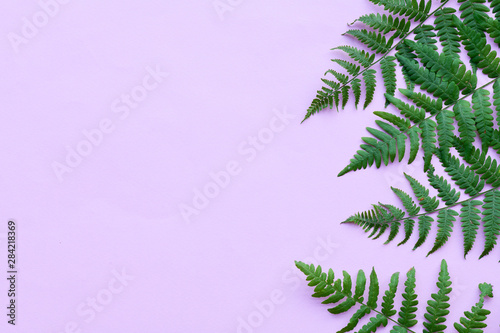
pixel 434 211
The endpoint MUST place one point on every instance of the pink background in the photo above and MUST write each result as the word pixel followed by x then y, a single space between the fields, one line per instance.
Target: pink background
pixel 229 266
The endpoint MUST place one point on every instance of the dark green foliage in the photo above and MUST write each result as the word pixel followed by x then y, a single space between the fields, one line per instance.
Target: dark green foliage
pixel 447 33
pixel 432 117
pixel 388 66
pixel 376 42
pixel 339 295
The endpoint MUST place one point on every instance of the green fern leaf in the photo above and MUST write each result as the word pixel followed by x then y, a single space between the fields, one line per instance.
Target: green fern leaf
pixel 345 95
pixel 409 8
pixel 495 8
pixel 470 218
pixel 351 68
pixel 356 89
pixel 404 50
pixel 484 119
pixel 491 212
pixel 402 124
pixel 361 56
pixel 449 195
pixel 388 64
pixel 445 130
pixel 478 49
pixel 422 193
pixel 427 80
pixel 437 308
pixel 474 320
pixel 474 13
pixel 409 307
pixel 428 134
pixel 466 124
pixel 370 83
pixel 408 226
pixel 431 105
pixel 376 42
pixel 373 290
pixel 414 114
pixel 493 29
pixel 386 24
pixel 353 322
pixel 424 226
pixel 388 299
pixel 446 217
pixel 411 208
pixel 496 98
pixel 334 85
pixel 463 176
pixel 445 67
pixel 424 35
pixel 447 33
pixel 374 323
pixel 342 78
pixel 480 162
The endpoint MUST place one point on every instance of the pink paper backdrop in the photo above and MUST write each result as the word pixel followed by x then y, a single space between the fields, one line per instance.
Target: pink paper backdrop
pixel 118 114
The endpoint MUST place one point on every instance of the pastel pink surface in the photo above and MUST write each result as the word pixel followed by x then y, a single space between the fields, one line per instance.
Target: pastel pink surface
pixel 225 121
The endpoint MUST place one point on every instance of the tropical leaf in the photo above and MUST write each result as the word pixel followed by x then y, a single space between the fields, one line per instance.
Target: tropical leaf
pixel 341 299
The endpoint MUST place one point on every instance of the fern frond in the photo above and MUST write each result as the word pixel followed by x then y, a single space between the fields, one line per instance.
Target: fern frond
pixel 474 13
pixel 409 8
pixel 424 35
pixel 445 131
pixel 445 67
pixel 478 49
pixel 474 319
pixel 496 99
pixel 447 33
pixel 356 89
pixel 376 42
pixel 345 95
pixel 484 119
pixel 351 68
pixel 370 84
pixel 491 212
pixel 463 175
pixel 437 308
pixel 386 24
pixel 495 8
pixel 470 218
pixel 342 78
pixel 422 193
pixel 409 307
pixel 388 67
pixel 427 80
pixel 446 217
pixel 466 124
pixel 384 147
pixel 402 124
pixel 480 162
pixel 414 114
pixel 408 226
pixel 404 50
pixel 449 195
pixel 428 134
pixel 339 294
pixel 361 56
pixel 407 201
pixel 429 104
pixel 424 227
